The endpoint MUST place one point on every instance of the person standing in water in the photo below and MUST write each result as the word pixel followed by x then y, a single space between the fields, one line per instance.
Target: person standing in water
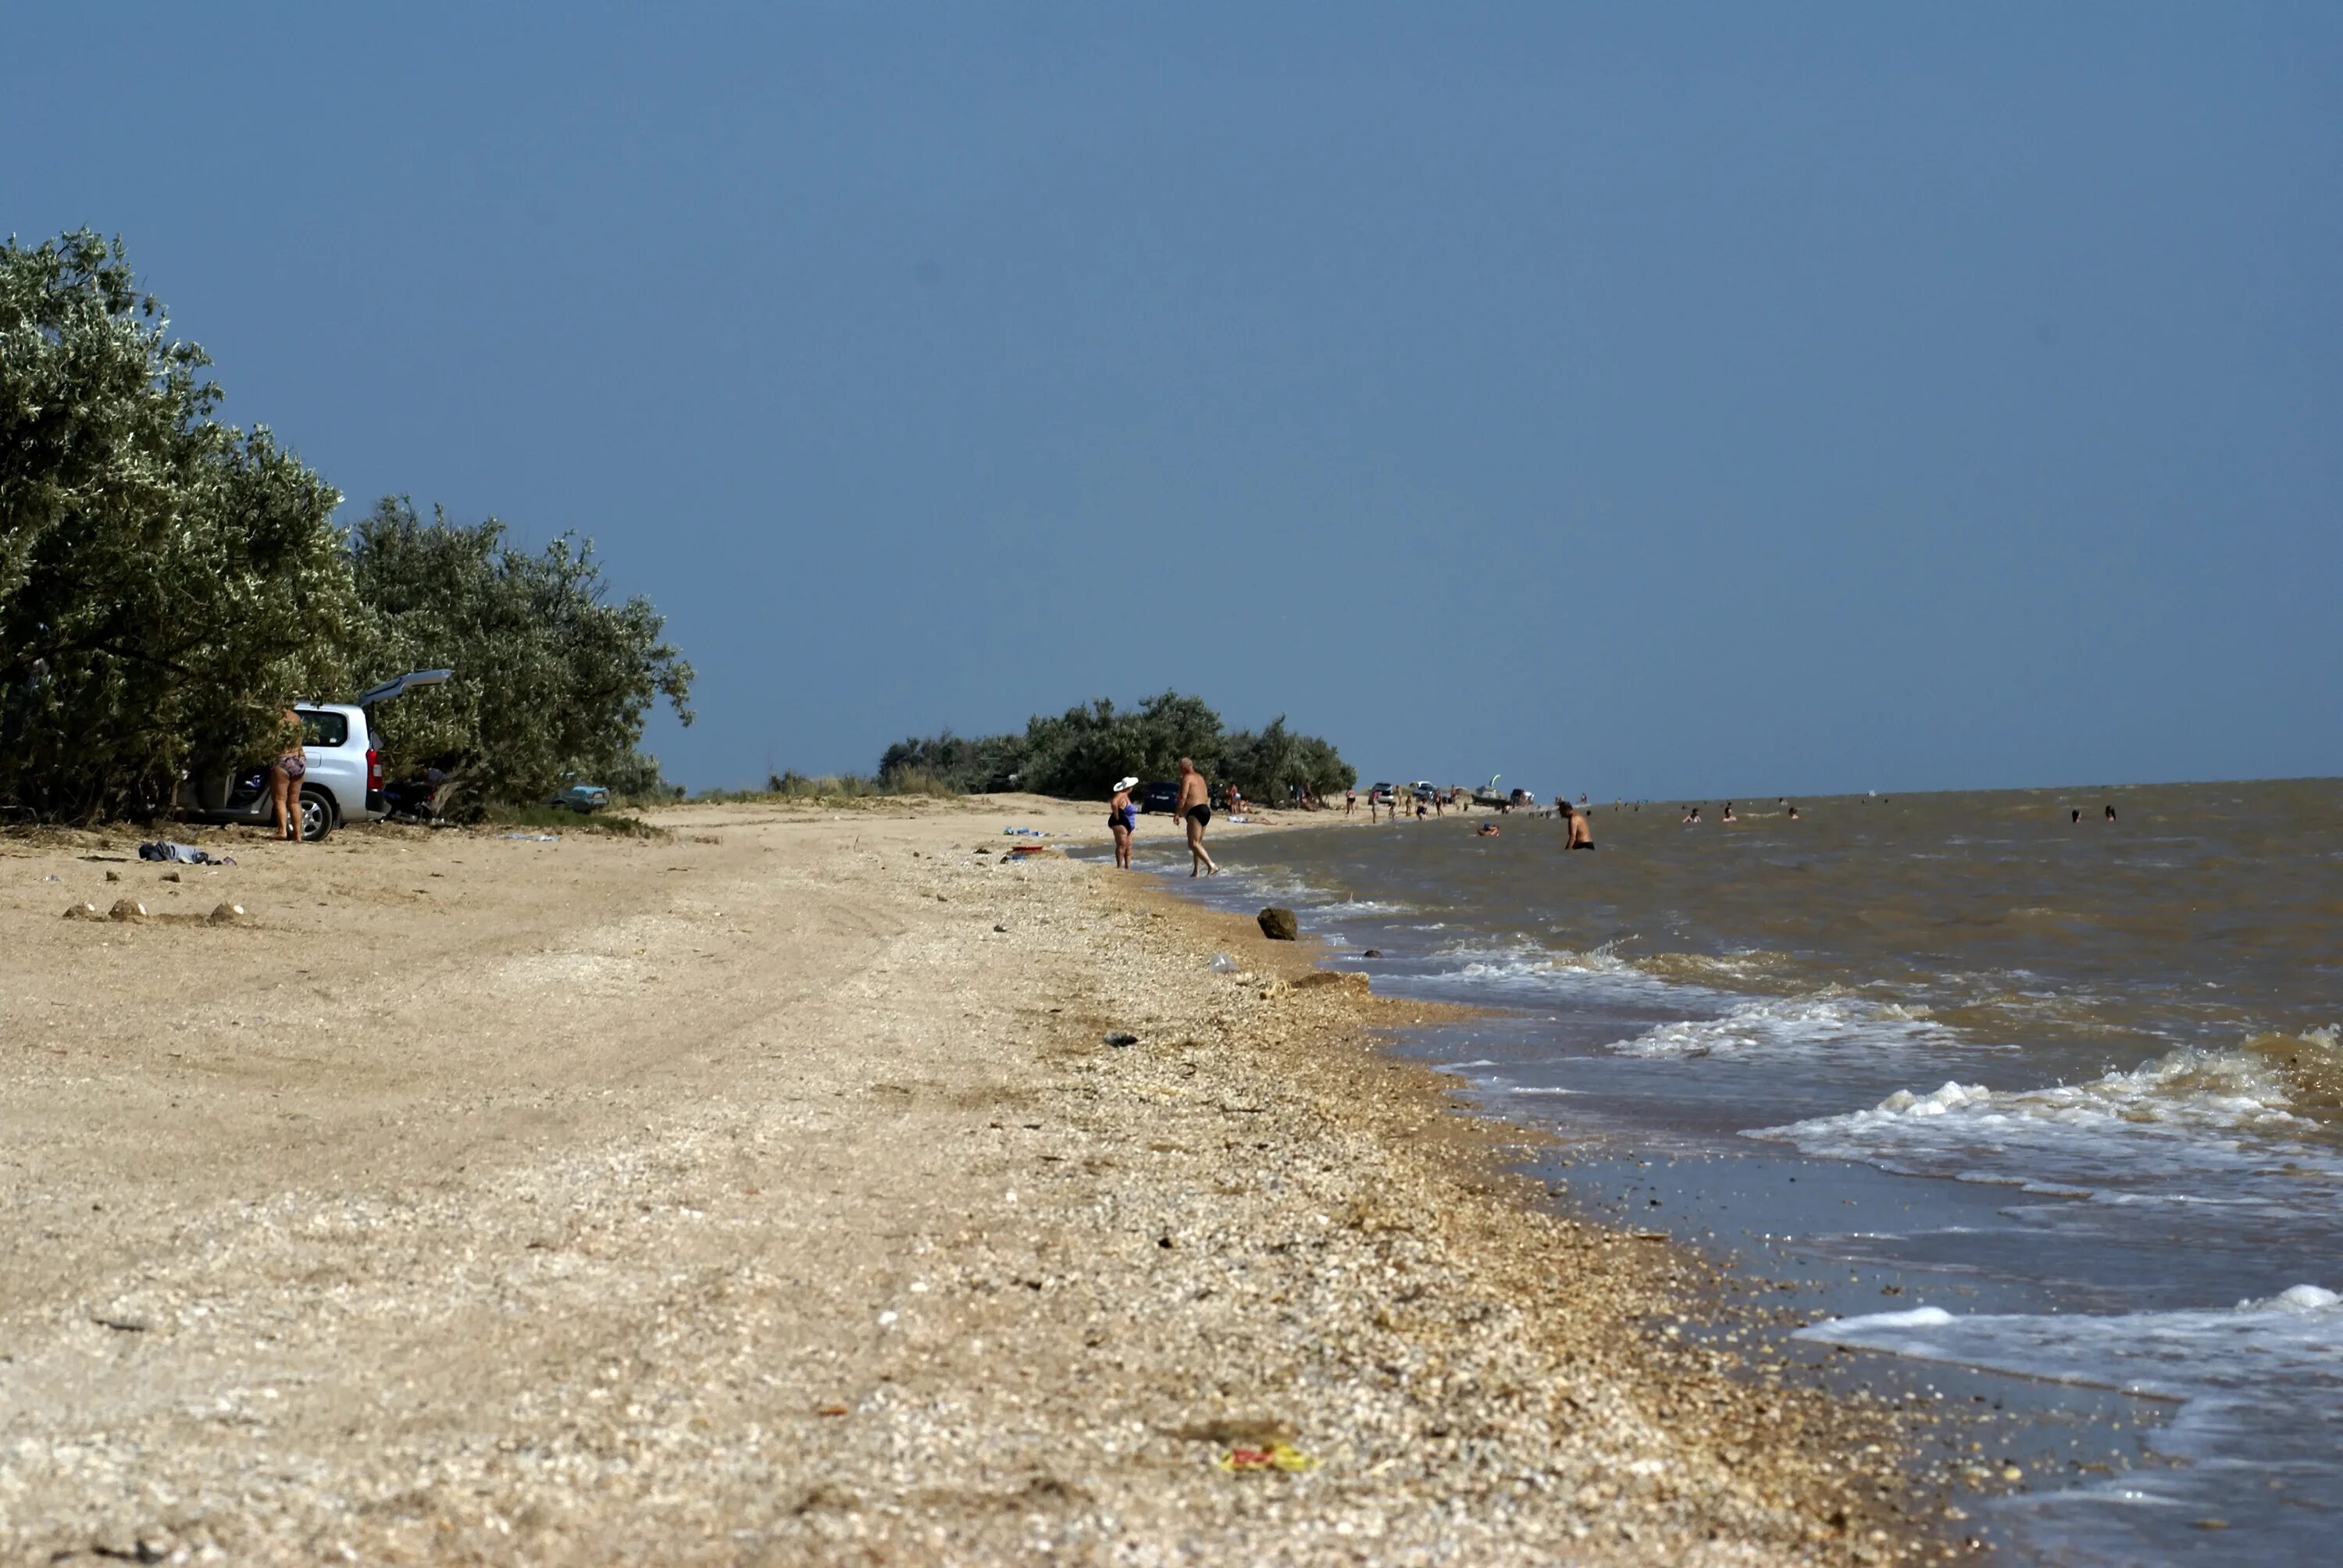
pixel 1121 818
pixel 1581 832
pixel 1195 810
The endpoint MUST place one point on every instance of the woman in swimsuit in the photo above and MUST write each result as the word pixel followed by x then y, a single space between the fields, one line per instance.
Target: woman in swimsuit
pixel 284 779
pixel 1121 817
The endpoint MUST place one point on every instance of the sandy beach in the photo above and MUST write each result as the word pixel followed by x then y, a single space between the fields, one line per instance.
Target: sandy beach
pixel 768 1190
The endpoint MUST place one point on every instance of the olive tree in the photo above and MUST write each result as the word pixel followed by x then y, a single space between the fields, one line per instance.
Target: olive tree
pixel 167 583
pixel 553 680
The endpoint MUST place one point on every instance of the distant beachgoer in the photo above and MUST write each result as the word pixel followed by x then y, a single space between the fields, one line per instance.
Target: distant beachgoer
pixel 1581 831
pixel 1121 817
pixel 1485 830
pixel 1728 812
pixel 1794 813
pixel 1692 816
pixel 2111 813
pixel 2075 816
pixel 1351 800
pixel 1195 810
pixel 285 775
pixel 1422 810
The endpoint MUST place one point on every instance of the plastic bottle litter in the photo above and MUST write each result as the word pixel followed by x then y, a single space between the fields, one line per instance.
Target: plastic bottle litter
pixel 1276 1456
pixel 1224 965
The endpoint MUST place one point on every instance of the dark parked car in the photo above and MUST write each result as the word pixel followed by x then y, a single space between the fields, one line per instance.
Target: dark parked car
pixel 1157 797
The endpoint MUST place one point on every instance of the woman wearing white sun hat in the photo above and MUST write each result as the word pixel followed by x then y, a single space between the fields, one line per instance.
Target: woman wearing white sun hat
pixel 1121 817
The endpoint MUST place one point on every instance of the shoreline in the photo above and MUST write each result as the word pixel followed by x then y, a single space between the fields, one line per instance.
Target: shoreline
pixel 768 1190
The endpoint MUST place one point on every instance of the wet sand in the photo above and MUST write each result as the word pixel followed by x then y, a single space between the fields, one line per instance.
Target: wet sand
pixel 768 1192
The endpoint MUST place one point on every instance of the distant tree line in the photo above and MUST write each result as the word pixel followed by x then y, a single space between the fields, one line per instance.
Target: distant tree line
pixel 1082 752
pixel 170 584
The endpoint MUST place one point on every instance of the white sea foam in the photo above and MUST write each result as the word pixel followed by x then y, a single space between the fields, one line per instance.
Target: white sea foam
pixel 2158 1133
pixel 1347 908
pixel 1819 1024
pixel 2261 1382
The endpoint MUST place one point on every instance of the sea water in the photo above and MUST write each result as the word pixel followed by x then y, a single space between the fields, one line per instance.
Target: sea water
pixel 2069 1090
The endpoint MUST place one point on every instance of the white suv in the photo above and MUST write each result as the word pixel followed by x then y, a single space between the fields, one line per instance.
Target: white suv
pixel 343 780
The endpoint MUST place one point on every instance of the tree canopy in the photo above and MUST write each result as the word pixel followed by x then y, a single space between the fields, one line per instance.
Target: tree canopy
pixel 552 679
pixel 167 583
pixel 170 584
pixel 1082 752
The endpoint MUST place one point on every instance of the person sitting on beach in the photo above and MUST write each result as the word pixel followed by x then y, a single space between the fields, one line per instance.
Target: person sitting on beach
pixel 1195 810
pixel 1121 818
pixel 1581 832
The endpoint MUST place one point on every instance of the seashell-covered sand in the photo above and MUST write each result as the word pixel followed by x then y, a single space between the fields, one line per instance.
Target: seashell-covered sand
pixel 767 1190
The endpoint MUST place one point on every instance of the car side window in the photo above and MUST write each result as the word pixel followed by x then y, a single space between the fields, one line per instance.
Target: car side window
pixel 324 730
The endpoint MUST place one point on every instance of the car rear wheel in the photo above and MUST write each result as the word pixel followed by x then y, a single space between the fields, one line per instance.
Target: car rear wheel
pixel 316 815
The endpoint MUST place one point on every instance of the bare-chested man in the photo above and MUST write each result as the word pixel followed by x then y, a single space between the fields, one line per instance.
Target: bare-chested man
pixel 1195 810
pixel 1581 831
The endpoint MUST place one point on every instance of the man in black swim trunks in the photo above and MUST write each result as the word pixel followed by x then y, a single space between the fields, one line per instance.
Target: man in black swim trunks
pixel 1582 834
pixel 1195 810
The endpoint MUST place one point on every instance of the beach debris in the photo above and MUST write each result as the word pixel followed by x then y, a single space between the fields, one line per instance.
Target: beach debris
pixel 1373 953
pixel 1282 1456
pixel 1001 929
pixel 126 909
pixel 1222 964
pixel 830 1409
pixel 168 876
pixel 171 850
pixel 82 912
pixel 53 877
pixel 226 914
pixel 1121 1038
pixel 110 876
pixel 1279 924
pixel 533 837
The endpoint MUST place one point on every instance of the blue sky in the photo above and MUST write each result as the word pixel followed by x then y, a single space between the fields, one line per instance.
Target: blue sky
pixel 1665 400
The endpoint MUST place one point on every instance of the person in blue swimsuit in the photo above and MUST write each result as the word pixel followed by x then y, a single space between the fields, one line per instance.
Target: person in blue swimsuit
pixel 1121 818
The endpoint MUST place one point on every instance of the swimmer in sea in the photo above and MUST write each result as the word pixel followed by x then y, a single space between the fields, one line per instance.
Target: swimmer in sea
pixel 1728 812
pixel 1691 817
pixel 1794 811
pixel 1485 830
pixel 1582 833
pixel 2075 816
pixel 2111 813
